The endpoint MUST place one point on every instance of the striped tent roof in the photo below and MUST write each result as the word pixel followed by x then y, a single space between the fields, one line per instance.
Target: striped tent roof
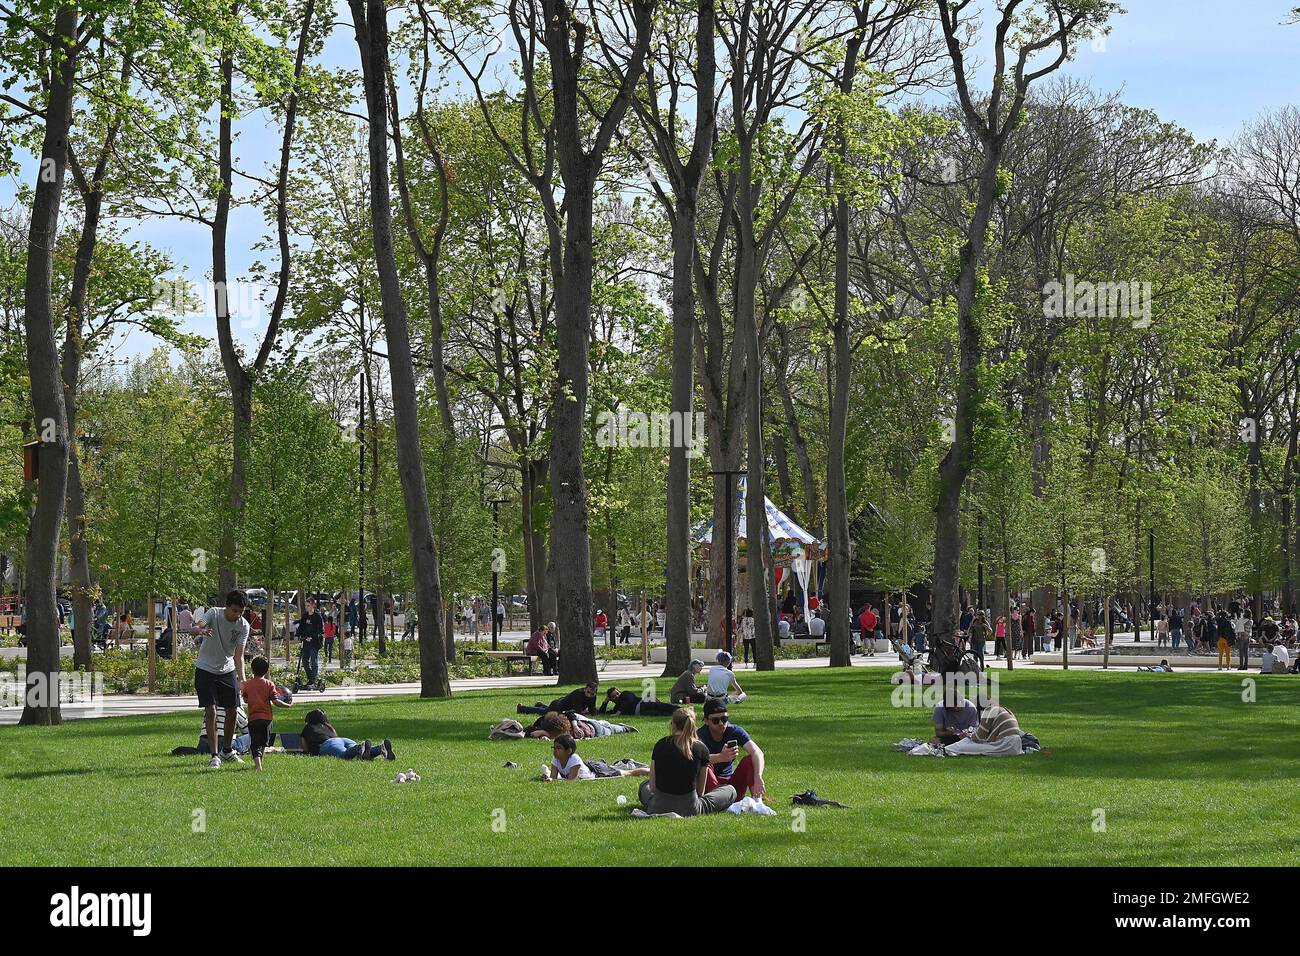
pixel 782 530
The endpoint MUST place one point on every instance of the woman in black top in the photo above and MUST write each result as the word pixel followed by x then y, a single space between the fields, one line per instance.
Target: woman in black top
pixel 679 769
pixel 311 632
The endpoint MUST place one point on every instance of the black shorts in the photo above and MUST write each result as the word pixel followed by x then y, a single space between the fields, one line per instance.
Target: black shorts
pixel 219 689
pixel 259 732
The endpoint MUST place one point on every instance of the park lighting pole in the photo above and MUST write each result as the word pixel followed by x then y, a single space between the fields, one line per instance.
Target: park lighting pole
pixel 1151 556
pixel 496 528
pixel 730 539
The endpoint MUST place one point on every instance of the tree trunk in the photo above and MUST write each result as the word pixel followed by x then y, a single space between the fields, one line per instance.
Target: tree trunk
pixel 956 464
pixel 41 701
pixel 571 532
pixel 678 585
pixel 370 22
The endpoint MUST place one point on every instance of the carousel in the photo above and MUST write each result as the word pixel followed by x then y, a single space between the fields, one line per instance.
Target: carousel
pixel 798 556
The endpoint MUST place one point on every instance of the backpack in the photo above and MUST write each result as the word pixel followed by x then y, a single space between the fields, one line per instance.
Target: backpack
pixel 508 729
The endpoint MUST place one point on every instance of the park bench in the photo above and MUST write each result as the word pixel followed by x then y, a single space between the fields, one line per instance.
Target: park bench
pixel 508 656
pixel 10 622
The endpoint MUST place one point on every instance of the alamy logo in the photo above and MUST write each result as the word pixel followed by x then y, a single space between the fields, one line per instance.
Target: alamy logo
pixel 625 429
pixel 76 909
pixel 1129 300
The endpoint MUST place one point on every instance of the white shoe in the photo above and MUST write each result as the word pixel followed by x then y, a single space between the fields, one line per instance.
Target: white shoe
pixel 640 814
pixel 214 763
pixel 231 757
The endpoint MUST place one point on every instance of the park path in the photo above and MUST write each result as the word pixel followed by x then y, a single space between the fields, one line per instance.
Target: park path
pixel 123 705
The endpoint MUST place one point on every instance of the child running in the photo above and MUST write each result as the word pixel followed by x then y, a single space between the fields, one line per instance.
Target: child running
pixel 261 695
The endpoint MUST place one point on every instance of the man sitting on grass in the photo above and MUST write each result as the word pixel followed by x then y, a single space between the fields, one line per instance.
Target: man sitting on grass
pixel 955 719
pixel 725 741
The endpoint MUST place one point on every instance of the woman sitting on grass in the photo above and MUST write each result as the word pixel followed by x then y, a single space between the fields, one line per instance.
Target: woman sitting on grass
pixel 679 769
pixel 320 739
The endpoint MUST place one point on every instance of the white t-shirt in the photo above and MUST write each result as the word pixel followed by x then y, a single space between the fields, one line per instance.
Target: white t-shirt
pixel 1282 654
pixel 784 628
pixel 217 652
pixel 817 627
pixel 584 772
pixel 720 679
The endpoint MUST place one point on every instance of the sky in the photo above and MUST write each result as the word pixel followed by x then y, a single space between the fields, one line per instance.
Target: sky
pixel 1208 65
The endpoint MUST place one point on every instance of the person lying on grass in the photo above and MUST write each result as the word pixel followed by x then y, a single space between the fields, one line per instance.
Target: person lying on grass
pixel 724 741
pixel 626 702
pixel 581 701
pixel 320 739
pixel 565 762
pixel 954 719
pixel 680 775
pixel 553 723
pixel 567 765
pixel 685 690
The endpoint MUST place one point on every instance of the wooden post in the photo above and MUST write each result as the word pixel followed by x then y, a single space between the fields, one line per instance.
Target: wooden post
pixel 152 618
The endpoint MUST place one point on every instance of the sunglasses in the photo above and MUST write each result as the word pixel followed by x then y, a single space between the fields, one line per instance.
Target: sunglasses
pixel 722 719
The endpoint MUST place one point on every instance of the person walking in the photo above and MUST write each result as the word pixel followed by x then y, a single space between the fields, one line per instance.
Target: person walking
pixel 1029 629
pixel 979 635
pixel 1242 625
pixel 747 634
pixel 219 672
pixel 1223 630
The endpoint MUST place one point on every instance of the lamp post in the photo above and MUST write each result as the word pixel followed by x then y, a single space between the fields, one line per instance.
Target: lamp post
pixel 496 528
pixel 1151 555
pixel 730 540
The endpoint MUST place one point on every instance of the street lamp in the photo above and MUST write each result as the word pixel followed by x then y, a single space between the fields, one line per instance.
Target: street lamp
pixel 496 528
pixel 730 540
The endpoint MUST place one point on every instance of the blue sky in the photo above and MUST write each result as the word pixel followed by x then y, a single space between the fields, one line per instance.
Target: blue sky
pixel 1207 65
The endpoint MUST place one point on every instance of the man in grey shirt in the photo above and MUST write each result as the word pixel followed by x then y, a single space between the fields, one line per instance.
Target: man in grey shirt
pixel 219 670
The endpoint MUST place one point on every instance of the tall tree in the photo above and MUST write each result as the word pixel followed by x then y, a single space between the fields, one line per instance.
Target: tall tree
pixel 370 20
pixel 1025 30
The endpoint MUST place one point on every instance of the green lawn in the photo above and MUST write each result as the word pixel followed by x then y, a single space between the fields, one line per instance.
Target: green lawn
pixel 1186 772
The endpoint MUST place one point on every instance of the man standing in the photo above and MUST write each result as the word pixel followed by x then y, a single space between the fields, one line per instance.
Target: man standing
pixel 219 671
pixel 725 742
pixel 311 632
pixel 868 621
pixel 1242 626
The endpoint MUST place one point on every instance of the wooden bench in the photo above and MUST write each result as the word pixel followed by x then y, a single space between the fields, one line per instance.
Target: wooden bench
pixel 10 622
pixel 508 656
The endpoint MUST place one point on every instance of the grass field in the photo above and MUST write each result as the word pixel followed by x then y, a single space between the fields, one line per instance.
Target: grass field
pixel 1187 773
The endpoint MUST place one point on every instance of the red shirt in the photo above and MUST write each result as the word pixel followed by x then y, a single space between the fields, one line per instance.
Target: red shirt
pixel 602 620
pixel 869 620
pixel 259 692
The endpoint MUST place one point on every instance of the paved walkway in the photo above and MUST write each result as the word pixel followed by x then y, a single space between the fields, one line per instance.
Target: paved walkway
pixel 119 705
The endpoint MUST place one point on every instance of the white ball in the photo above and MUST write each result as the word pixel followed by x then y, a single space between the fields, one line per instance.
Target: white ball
pixel 620 800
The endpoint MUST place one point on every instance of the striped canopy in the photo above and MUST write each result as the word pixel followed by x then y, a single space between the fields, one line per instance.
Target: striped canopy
pixel 786 536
